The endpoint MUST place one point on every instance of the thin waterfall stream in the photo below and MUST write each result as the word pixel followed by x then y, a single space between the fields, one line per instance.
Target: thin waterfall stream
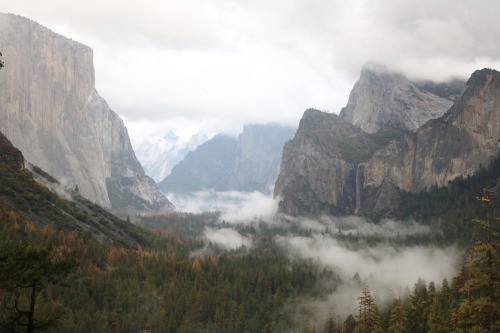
pixel 359 184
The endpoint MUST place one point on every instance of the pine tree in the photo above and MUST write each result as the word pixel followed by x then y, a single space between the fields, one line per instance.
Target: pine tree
pixel 330 325
pixel 417 309
pixel 437 322
pixel 479 310
pixel 368 316
pixel 396 322
pixel 445 291
pixel 349 324
pixel 431 290
pixel 24 272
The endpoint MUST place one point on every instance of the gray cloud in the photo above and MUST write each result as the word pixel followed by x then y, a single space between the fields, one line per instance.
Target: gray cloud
pixel 229 62
pixel 167 23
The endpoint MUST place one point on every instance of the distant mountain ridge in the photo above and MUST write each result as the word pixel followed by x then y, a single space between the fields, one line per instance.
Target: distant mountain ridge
pixel 159 154
pixel 247 163
pixel 332 166
pixel 51 111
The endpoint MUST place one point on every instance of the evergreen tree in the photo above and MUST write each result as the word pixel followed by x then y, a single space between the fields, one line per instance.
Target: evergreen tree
pixel 417 309
pixel 24 272
pixel 431 290
pixel 396 322
pixel 330 325
pixel 437 321
pixel 349 324
pixel 445 292
pixel 479 310
pixel 368 316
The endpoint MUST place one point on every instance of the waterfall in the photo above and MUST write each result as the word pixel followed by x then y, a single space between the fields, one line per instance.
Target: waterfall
pixel 359 184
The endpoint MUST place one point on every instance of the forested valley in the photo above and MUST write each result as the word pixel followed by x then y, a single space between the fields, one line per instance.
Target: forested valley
pixel 70 266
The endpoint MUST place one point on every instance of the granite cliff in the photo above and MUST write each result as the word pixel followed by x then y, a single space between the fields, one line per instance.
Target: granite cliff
pixel 317 176
pixel 384 100
pixel 51 111
pixel 453 145
pixel 318 165
pixel 247 163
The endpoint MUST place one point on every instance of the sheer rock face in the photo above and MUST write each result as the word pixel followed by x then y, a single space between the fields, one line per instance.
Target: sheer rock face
pixel 51 111
pixel 319 165
pixel 320 175
pixel 381 100
pixel 467 136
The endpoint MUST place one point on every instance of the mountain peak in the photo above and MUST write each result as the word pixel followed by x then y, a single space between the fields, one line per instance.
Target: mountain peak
pixel 480 77
pixel 382 100
pixel 373 70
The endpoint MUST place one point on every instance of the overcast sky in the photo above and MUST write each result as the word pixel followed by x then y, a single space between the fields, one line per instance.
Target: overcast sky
pixel 187 65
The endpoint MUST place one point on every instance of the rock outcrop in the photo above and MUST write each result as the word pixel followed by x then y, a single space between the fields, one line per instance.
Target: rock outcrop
pixel 317 177
pixel 319 165
pixel 247 163
pixel 383 100
pixel 50 110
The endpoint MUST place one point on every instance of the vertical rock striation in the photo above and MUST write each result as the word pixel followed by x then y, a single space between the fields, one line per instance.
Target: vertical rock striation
pixel 50 110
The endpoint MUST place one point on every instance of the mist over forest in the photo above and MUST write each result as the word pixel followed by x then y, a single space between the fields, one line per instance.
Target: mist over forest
pixel 388 256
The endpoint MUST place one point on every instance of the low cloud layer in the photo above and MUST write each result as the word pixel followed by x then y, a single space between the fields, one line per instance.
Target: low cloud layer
pixel 359 225
pixel 235 207
pixel 382 266
pixel 389 268
pixel 226 238
pixel 389 272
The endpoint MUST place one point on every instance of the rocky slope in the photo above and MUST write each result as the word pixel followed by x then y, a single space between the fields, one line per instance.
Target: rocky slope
pixel 316 177
pixel 26 199
pixel 247 163
pixel 51 111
